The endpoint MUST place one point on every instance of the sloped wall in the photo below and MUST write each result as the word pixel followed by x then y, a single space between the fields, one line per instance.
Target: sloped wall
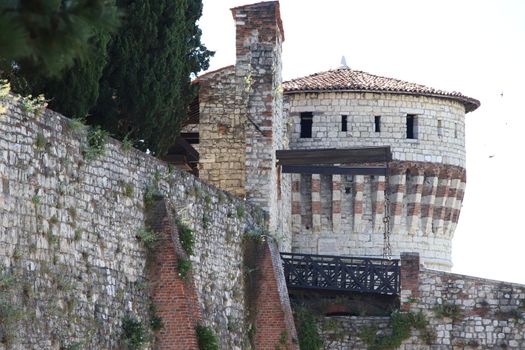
pixel 72 265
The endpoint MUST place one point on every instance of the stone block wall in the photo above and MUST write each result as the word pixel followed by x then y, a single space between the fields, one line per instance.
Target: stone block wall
pixel 221 132
pixel 440 124
pixel 72 265
pixel 463 312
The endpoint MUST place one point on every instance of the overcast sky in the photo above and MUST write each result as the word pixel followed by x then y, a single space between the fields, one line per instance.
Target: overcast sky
pixel 475 47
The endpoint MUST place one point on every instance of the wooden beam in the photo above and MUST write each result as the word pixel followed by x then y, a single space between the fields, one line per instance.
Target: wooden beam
pixel 334 156
pixel 330 170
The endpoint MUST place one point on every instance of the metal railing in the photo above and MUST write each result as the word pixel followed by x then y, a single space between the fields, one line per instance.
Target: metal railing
pixel 341 273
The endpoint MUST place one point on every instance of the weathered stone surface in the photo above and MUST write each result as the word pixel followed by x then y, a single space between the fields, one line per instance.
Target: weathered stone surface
pixel 69 235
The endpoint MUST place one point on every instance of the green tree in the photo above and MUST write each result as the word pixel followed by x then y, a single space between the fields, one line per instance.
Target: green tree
pixel 145 88
pixel 50 34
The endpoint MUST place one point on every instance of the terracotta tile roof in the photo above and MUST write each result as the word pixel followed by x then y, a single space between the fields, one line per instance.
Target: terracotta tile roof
pixel 346 79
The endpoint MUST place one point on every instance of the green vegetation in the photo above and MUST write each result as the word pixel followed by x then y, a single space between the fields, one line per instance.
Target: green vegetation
pixel 184 267
pixel 50 35
pixel 128 189
pixel 40 142
pixel 307 332
pixel 133 333
pixel 448 310
pixel 402 325
pixel 145 87
pixel 240 211
pixel 186 236
pixel 155 322
pixel 96 143
pixel 76 123
pixel 147 237
pixel 206 339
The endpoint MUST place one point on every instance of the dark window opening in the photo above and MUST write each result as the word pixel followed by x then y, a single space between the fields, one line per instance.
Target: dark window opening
pixel 456 130
pixel 306 124
pixel 440 128
pixel 377 123
pixel 411 126
pixel 344 123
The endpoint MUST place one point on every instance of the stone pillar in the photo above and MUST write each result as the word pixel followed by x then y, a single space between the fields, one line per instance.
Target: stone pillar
pixel 428 199
pixel 316 203
pixel 296 203
pixel 378 203
pixel 409 277
pixel 414 201
pixel 359 187
pixel 457 206
pixel 336 204
pixel 450 204
pixel 440 202
pixel 397 191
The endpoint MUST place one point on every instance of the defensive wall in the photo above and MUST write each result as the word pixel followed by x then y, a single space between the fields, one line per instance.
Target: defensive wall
pixel 74 245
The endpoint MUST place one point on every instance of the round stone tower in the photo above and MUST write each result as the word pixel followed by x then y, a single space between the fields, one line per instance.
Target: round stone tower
pixel 425 182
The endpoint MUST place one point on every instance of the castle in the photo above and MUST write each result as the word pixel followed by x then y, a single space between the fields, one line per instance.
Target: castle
pixel 336 156
pixel 96 251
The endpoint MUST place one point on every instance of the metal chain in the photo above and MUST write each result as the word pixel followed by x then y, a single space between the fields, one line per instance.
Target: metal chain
pixel 387 249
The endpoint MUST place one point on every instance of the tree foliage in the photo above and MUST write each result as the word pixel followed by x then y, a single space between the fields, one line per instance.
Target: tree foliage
pixel 50 34
pixel 145 88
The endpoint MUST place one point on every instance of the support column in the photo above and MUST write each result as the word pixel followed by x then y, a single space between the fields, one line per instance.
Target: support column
pixel 336 204
pixel 428 199
pixel 397 191
pixel 378 203
pixel 359 187
pixel 316 203
pixel 296 203
pixel 414 202
pixel 450 204
pixel 440 203
pixel 457 207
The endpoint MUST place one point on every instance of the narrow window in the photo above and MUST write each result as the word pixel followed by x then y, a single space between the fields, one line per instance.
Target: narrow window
pixel 411 126
pixel 377 123
pixel 440 128
pixel 306 124
pixel 344 123
pixel 456 130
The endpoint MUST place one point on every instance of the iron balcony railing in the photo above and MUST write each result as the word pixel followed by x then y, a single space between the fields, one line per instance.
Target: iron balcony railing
pixel 341 273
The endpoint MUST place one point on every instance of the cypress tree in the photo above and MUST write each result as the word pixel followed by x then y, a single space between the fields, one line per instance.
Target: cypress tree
pixel 58 49
pixel 145 88
pixel 48 35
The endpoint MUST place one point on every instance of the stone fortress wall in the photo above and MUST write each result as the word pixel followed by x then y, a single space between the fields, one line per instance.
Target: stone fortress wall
pixel 338 214
pixel 463 312
pixel 72 264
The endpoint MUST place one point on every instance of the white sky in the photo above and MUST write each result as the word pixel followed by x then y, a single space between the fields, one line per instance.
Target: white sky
pixel 475 47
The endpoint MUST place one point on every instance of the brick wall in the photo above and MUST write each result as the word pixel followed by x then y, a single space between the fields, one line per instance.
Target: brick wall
pixel 175 298
pixel 274 320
